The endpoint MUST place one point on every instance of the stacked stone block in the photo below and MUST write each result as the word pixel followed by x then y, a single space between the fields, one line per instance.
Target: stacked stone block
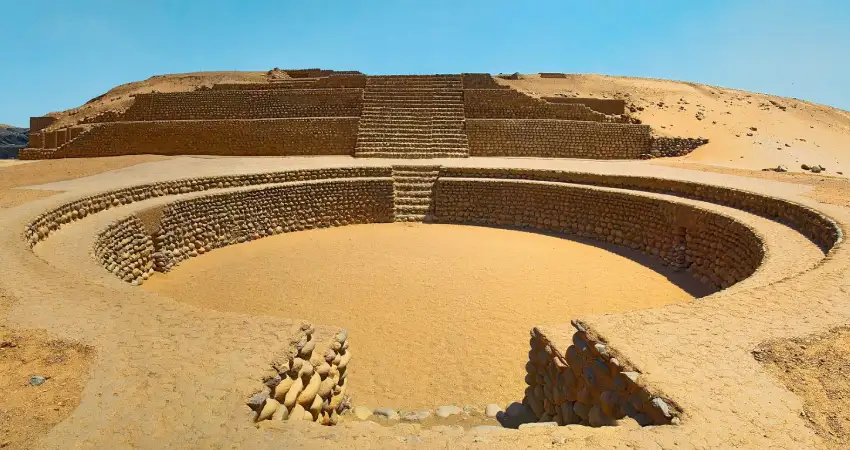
pixel 333 81
pixel 557 139
pixel 126 250
pixel 412 117
pixel 823 231
pixel 309 385
pixel 258 104
pixel 193 227
pixel 41 227
pixel 511 104
pixel 263 137
pixel 602 105
pixel 586 384
pixel 480 81
pixel 414 192
pixel 717 250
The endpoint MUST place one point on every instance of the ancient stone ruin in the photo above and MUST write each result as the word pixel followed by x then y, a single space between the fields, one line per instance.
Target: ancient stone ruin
pixel 342 113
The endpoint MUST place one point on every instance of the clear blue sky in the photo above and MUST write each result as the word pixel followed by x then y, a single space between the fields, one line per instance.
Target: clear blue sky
pixel 59 54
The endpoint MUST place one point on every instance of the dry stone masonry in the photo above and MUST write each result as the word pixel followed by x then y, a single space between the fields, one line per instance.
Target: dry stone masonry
pixel 320 112
pixel 578 380
pixel 412 117
pixel 585 383
pixel 414 192
pixel 714 248
pixel 557 139
pixel 308 385
pixel 195 226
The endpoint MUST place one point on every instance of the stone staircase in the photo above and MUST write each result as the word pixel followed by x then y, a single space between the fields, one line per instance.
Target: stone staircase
pixel 412 117
pixel 413 188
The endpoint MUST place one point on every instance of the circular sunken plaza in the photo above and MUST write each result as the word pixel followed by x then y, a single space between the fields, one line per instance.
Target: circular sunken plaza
pixel 436 260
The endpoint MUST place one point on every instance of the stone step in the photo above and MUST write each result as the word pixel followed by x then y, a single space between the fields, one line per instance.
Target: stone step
pixel 410 154
pixel 416 177
pixel 412 201
pixel 412 217
pixel 372 146
pixel 413 209
pixel 438 138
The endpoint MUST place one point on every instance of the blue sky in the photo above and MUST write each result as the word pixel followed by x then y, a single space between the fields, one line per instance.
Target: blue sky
pixel 59 54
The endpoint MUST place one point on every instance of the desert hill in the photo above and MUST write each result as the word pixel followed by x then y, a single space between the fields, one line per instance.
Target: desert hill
pixel 746 130
pixel 11 139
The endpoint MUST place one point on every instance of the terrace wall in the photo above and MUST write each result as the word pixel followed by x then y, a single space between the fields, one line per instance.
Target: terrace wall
pixel 603 105
pixel 510 104
pixel 716 249
pixel 557 139
pixel 265 137
pixel 258 104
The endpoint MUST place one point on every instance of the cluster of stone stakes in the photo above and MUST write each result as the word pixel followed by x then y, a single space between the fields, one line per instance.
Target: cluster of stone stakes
pixel 308 386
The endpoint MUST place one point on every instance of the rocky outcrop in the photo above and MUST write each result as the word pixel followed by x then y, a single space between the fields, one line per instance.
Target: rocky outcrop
pixel 12 139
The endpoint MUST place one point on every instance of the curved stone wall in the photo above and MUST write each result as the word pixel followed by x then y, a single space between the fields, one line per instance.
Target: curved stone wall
pixel 714 248
pixel 586 383
pixel 41 227
pixel 822 230
pixel 133 250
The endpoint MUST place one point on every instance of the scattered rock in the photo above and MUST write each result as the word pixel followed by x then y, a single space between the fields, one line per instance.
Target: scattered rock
pixel 805 167
pixel 753 129
pixel 700 115
pixel 387 413
pixel 416 416
pixel 362 412
pixel 492 410
pixel 8 344
pixel 779 168
pixel 446 411
pixel 37 380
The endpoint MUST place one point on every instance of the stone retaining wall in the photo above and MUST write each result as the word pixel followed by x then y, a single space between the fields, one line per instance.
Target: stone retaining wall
pixel 42 226
pixel 510 104
pixel 557 139
pixel 716 249
pixel 264 137
pixel 586 383
pixel 192 227
pixel 603 105
pixel 480 81
pixel 333 81
pixel 257 104
pixel 822 230
pixel 310 384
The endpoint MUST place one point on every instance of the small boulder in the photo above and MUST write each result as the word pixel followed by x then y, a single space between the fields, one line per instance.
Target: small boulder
pixel 416 416
pixel 362 412
pixel 386 413
pixel 446 411
pixel 492 410
pixel 37 380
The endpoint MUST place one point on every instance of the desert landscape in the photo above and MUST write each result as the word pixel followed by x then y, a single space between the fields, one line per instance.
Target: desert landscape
pixel 330 259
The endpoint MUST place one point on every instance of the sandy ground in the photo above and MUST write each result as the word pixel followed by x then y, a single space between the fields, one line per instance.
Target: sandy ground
pixel 827 189
pixel 440 314
pixel 17 174
pixel 746 130
pixel 27 412
pixel 816 368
